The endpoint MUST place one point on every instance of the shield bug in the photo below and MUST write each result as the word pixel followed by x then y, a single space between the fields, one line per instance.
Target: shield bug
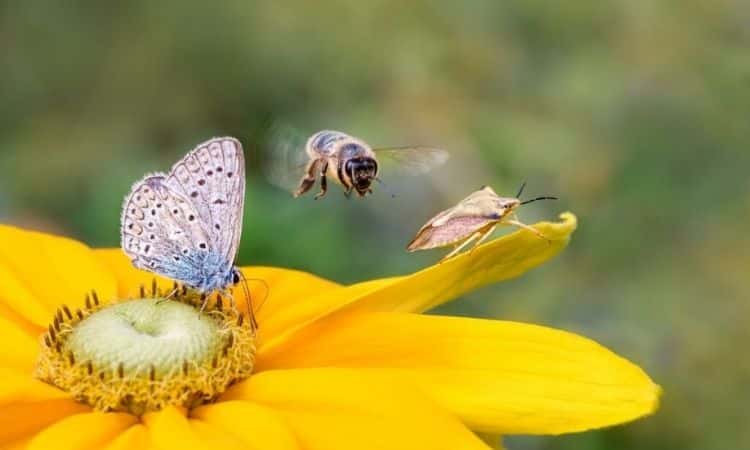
pixel 472 219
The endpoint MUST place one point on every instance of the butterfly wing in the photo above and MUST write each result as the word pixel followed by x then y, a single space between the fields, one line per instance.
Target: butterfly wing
pixel 412 160
pixel 161 231
pixel 211 177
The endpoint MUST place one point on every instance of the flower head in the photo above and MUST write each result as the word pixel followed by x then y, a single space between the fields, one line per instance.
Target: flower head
pixel 334 367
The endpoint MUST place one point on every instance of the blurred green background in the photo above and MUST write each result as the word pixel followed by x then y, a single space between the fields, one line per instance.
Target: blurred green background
pixel 634 113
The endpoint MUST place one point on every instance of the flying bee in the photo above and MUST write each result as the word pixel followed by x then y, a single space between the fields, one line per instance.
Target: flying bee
pixel 473 218
pixel 347 160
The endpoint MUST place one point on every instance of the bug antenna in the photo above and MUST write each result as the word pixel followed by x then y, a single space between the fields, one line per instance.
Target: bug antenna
pixel 538 198
pixel 520 191
pixel 385 186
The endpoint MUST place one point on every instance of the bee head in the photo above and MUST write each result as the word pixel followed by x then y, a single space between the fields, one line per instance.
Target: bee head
pixel 361 172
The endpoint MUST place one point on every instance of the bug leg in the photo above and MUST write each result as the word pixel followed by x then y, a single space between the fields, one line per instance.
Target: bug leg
pixel 308 179
pixel 463 244
pixel 484 236
pixel 527 227
pixel 348 193
pixel 323 181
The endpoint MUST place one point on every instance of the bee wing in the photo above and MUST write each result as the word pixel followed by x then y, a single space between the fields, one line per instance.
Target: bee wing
pixel 412 160
pixel 284 156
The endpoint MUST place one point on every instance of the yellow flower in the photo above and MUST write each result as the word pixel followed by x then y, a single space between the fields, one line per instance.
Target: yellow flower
pixel 337 367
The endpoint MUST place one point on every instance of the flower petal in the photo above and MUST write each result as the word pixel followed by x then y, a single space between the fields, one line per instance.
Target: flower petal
pixel 135 437
pixel 170 429
pixel 55 270
pixel 503 258
pixel 28 405
pixel 18 304
pixel 215 437
pixel 331 409
pixel 129 279
pixel 278 293
pixel 257 427
pixel 498 377
pixel 83 431
pixel 22 353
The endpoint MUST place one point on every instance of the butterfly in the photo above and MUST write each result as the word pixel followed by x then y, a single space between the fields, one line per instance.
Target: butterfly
pixel 186 224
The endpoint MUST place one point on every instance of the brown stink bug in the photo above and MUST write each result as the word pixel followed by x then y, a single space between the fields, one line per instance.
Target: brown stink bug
pixel 473 218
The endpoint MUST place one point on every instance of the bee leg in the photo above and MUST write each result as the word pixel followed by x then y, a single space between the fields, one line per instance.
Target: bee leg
pixel 323 181
pixel 463 244
pixel 348 193
pixel 308 179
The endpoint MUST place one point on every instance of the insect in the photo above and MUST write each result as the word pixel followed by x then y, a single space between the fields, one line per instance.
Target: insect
pixel 345 159
pixel 186 224
pixel 473 218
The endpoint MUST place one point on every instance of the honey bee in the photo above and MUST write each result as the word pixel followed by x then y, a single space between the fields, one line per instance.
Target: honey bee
pixel 348 161
pixel 473 218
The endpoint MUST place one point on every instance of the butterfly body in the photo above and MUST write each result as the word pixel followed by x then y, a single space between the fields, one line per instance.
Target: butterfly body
pixel 186 224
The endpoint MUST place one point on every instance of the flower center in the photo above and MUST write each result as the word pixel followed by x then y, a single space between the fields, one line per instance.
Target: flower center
pixel 143 354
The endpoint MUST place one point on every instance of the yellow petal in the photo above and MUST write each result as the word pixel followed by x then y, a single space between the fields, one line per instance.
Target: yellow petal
pixel 274 291
pixel 135 437
pixel 83 431
pixel 28 405
pixel 169 429
pixel 22 354
pixel 19 387
pixel 257 427
pixel 52 270
pixel 494 441
pixel 498 377
pixel 331 409
pixel 129 279
pixel 501 259
pixel 18 304
pixel 215 437
pixel 16 444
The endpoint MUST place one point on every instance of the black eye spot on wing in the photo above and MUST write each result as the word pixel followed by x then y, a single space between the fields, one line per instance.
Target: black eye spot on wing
pixel 202 245
pixel 209 172
pixel 194 194
pixel 219 169
pixel 229 174
pixel 217 226
pixel 201 182
pixel 191 217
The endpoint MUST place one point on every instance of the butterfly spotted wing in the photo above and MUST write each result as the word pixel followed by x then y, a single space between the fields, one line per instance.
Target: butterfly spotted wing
pixel 186 224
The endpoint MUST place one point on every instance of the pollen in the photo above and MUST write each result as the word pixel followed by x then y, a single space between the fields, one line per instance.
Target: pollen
pixel 143 354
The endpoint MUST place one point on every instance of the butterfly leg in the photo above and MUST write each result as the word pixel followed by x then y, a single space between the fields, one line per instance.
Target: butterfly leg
pixel 462 245
pixel 323 181
pixel 308 179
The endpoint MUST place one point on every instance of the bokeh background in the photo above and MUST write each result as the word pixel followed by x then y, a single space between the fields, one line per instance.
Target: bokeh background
pixel 634 113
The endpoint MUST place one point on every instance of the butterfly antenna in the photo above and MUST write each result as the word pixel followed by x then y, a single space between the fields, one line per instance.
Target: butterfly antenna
pixel 248 298
pixel 520 191
pixel 385 186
